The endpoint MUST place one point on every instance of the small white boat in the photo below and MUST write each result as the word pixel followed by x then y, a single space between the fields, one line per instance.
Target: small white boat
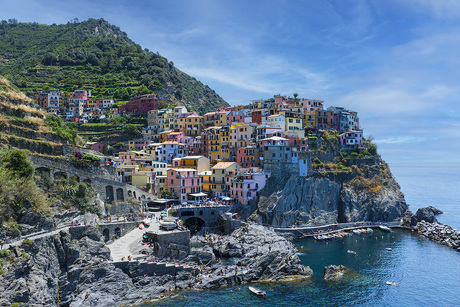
pixel 257 292
pixel 391 283
pixel 351 252
pixel 356 232
pixel 389 249
pixel 385 228
pixel 369 230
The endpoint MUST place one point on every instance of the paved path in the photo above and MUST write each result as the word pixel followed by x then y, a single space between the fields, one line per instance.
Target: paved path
pixel 127 245
pixel 35 236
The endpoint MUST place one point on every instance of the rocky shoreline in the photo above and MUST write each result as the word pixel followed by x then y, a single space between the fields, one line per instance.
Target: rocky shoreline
pixel 425 223
pixel 73 270
pixel 440 233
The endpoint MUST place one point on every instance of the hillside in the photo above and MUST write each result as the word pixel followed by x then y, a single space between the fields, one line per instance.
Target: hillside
pixel 24 126
pixel 97 56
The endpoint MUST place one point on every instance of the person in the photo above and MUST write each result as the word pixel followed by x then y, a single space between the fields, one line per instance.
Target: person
pixel 2 242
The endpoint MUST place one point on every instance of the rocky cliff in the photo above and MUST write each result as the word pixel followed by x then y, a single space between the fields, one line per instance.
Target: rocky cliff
pixel 361 192
pixel 71 269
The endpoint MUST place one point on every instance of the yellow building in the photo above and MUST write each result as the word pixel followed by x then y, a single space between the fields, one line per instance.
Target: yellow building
pixel 220 118
pixel 294 126
pixel 220 183
pixel 206 179
pixel 309 120
pixel 214 143
pixel 193 125
pixel 224 137
pixel 199 163
pixel 163 136
pixel 143 179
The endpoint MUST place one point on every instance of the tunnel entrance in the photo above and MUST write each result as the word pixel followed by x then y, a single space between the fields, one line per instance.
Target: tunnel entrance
pixel 194 224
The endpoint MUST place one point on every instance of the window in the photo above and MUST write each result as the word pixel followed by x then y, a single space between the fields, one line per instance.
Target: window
pixel 172 181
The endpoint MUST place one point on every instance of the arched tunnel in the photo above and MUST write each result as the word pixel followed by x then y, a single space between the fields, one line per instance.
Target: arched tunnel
pixel 194 224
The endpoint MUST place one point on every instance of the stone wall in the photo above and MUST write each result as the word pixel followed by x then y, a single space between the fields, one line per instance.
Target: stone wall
pixel 173 244
pixel 101 178
pixel 138 269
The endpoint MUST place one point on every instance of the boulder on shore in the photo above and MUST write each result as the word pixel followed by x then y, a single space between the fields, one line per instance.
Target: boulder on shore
pixel 426 214
pixel 335 272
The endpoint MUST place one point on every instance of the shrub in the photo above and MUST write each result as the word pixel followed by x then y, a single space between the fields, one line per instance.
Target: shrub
pixel 372 148
pixel 27 241
pixel 4 253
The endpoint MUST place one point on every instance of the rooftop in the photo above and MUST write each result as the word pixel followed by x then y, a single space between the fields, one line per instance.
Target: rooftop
pixel 223 165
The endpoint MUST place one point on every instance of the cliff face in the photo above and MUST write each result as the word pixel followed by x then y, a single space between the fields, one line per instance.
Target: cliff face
pixel 366 193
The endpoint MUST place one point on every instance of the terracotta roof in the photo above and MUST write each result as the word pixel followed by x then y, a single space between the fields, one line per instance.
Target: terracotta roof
pixel 223 165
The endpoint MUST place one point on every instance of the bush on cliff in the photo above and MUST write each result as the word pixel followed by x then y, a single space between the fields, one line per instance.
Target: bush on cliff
pixel 18 191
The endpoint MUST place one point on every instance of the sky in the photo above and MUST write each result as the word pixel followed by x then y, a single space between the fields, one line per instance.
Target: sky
pixel 395 62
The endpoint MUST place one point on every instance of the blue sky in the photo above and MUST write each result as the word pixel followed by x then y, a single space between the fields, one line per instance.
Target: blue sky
pixel 395 62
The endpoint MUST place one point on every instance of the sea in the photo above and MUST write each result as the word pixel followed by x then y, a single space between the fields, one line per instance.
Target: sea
pixel 425 273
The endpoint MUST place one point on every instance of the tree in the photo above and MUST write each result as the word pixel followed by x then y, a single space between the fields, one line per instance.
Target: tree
pixel 16 161
pixel 372 148
pixel 295 97
pixel 167 194
pixel 131 129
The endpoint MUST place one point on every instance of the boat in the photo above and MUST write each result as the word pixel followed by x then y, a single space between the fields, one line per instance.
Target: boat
pixel 356 232
pixel 385 228
pixel 369 230
pixel 146 222
pixel 389 249
pixel 351 252
pixel 257 292
pixel 391 283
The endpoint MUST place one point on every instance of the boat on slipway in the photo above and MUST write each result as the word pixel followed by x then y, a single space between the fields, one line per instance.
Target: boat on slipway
pixel 257 291
pixel 385 228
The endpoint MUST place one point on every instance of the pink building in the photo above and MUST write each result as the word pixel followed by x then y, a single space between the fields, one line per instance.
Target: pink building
pixel 140 104
pixel 183 182
pixel 81 94
pixel 247 183
pixel 352 139
pixel 247 156
pixel 97 146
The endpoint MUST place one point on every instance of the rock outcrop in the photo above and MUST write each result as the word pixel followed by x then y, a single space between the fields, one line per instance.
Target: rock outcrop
pixel 71 269
pixel 440 233
pixel 335 272
pixel 261 254
pixel 426 214
pixel 369 193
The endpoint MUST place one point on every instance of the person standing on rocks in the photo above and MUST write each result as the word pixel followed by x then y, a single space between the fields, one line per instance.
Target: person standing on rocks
pixel 2 243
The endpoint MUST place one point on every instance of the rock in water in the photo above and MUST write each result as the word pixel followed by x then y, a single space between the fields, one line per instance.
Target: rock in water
pixel 426 214
pixel 335 272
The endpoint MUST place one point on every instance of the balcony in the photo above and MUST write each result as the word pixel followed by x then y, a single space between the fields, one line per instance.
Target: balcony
pixel 187 176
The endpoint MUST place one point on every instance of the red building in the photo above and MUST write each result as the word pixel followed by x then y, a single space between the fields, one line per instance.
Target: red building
pixel 140 104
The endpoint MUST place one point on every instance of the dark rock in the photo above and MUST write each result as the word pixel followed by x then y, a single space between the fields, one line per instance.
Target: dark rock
pixel 319 200
pixel 335 272
pixel 435 211
pixel 408 219
pixel 425 214
pixel 439 233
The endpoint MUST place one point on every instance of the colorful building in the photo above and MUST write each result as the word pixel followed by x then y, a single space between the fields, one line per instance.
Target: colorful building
pixel 183 182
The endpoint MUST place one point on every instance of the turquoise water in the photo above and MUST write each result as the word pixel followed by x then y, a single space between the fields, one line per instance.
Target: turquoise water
pixel 428 274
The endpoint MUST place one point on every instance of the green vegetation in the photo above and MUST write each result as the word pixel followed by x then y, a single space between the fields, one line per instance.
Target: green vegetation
pixel 96 56
pixel 67 131
pixel 167 194
pixel 27 241
pixel 18 191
